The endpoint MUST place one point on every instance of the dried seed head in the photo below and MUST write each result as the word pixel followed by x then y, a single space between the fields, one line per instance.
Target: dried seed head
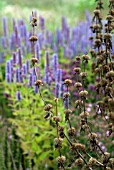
pixel 56 119
pixel 92 135
pixel 80 146
pixel 33 38
pixel 109 17
pixel 84 114
pixel 67 111
pixel 100 103
pixel 92 161
pixel 66 95
pixel 38 83
pixel 78 103
pixel 77 70
pixel 34 60
pixel 83 93
pixel 96 12
pixel 78 58
pixel 48 107
pixel 61 159
pixel 34 19
pixel 86 57
pixel 58 142
pixel 107 36
pixel 79 161
pixel 56 100
pixel 103 83
pixel 61 128
pixel 83 75
pixel 111 160
pixel 110 74
pixel 107 155
pixel 68 82
pixel 78 85
pixel 111 116
pixel 71 131
pixel 97 70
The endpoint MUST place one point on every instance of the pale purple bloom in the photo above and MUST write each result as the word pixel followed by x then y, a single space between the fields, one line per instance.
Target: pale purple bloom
pixel 5 28
pixel 18 96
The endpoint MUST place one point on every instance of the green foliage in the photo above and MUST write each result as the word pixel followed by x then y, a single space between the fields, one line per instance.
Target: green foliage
pixel 35 133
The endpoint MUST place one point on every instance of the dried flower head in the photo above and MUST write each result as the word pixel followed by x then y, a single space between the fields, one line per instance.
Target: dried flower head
pixel 78 85
pixel 56 119
pixel 71 131
pixel 68 82
pixel 86 57
pixel 66 95
pixel 33 38
pixel 84 114
pixel 78 58
pixel 61 159
pixel 48 107
pixel 34 60
pixel 67 111
pixel 58 142
pixel 83 75
pixel 83 94
pixel 79 161
pixel 38 83
pixel 92 161
pixel 77 70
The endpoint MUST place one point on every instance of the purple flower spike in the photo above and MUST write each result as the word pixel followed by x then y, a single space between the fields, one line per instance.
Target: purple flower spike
pixel 5 28
pixel 28 66
pixel 36 89
pixel 57 90
pixel 42 23
pixel 8 77
pixel 18 95
pixel 66 103
pixel 14 57
pixel 3 41
pixel 47 59
pixel 55 63
pixel 19 58
pixel 37 49
pixel 30 80
pixel 47 75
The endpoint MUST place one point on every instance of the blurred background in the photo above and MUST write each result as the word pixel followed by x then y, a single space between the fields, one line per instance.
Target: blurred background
pixel 51 10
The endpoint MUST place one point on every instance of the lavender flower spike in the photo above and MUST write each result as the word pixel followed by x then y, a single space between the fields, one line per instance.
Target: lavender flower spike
pixel 18 95
pixel 5 28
